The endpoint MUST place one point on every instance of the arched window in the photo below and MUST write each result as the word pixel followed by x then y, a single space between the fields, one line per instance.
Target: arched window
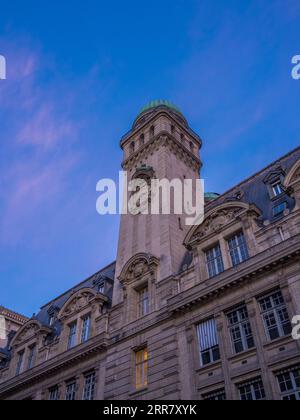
pixel 142 140
pixel 132 147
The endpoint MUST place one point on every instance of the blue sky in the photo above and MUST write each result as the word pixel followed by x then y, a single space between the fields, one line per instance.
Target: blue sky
pixel 78 73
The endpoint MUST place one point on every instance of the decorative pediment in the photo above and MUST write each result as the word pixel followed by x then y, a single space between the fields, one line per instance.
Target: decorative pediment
pixel 30 330
pixel 78 301
pixel 275 174
pixel 219 218
pixel 137 267
pixel 293 176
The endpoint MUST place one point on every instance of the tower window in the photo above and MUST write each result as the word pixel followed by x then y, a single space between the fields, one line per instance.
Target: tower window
pixel 132 147
pixel 152 131
pixel 142 139
pixel 141 368
pixel 143 302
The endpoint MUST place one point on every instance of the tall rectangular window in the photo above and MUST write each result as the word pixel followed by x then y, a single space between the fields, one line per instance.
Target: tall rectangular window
pixel 20 362
pixel 238 249
pixel 275 316
pixel 143 302
pixel 72 335
pixel 141 368
pixel 71 391
pixel 89 386
pixel 252 390
pixel 289 383
pixel 31 357
pixel 208 342
pixel 240 330
pixel 53 394
pixel 86 328
pixel 214 261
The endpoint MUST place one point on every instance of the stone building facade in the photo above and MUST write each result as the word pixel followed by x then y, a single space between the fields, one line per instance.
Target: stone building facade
pixel 184 313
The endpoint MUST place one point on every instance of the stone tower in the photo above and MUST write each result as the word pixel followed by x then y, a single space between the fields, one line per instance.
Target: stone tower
pixel 160 145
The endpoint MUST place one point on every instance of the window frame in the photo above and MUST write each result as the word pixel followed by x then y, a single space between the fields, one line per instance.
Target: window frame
pixel 141 368
pixel 53 391
pixel 215 262
pixel 213 353
pixel 89 388
pixel 71 389
pixel 86 325
pixel 238 248
pixel 31 356
pixel 20 362
pixel 240 324
pixel 250 385
pixel 295 390
pixel 72 337
pixel 143 301
pixel 273 312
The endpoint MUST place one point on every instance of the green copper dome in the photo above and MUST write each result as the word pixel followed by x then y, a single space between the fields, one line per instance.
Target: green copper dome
pixel 210 196
pixel 157 103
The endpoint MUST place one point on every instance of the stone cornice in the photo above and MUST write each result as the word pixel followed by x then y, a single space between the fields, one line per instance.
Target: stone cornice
pixel 162 139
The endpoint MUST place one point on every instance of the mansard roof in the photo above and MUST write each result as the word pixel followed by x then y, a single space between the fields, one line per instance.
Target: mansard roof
pixel 106 273
pixel 254 190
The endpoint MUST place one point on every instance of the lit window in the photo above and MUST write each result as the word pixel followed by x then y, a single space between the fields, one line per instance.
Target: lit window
pixel 208 342
pixel 31 357
pixel 289 383
pixel 219 395
pixel 275 316
pixel 53 394
pixel 240 330
pixel 238 249
pixel 86 328
pixel 277 189
pixel 143 302
pixel 141 368
pixel 20 362
pixel 252 391
pixel 71 391
pixel 280 209
pixel 72 335
pixel 89 387
pixel 214 261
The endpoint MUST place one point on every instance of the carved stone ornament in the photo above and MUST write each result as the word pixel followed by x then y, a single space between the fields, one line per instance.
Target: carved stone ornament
pixel 79 301
pixel 30 330
pixel 137 267
pixel 215 222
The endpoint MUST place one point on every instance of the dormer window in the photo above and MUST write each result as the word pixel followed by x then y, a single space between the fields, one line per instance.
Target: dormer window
pixel 280 209
pixel 101 288
pixel 51 320
pixel 277 189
